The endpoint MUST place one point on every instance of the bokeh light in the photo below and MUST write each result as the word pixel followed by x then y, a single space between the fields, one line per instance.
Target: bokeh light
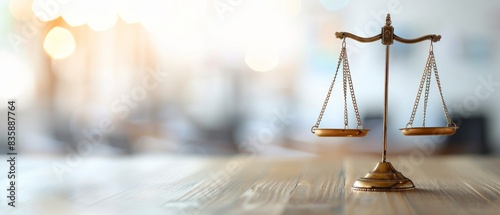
pixel 15 76
pixel 59 43
pixel 46 10
pixel 75 12
pixel 103 17
pixel 21 9
pixel 262 58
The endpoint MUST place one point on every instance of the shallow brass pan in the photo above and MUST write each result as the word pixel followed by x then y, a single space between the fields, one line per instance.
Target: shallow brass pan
pixel 420 131
pixel 338 132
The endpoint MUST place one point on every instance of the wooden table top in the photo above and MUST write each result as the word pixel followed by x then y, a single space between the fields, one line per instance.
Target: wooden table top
pixel 250 185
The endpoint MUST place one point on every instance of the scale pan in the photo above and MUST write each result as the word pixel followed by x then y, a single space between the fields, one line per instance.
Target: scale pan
pixel 335 132
pixel 415 131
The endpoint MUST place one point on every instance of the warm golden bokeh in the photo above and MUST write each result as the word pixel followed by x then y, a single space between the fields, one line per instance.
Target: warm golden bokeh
pixel 59 43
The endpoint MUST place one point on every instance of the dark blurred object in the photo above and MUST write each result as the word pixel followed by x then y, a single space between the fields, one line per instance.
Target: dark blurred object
pixel 470 138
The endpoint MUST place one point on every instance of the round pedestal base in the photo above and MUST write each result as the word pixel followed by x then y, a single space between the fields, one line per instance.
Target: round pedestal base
pixel 383 178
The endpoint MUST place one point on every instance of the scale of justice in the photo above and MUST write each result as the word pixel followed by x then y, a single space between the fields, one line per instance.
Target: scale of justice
pixel 384 177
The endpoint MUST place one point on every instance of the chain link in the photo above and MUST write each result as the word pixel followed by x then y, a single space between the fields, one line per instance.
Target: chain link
pixel 325 102
pixel 426 78
pixel 419 92
pixel 426 96
pixel 443 103
pixel 345 70
pixel 353 96
pixel 346 80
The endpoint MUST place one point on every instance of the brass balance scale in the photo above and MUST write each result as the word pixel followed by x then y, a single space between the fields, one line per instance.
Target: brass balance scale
pixel 384 177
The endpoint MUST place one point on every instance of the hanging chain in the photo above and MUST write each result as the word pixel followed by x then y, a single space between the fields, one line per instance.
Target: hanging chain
pixel 427 89
pixel 346 80
pixel 345 70
pixel 419 93
pixel 325 103
pixel 445 109
pixel 353 96
pixel 426 78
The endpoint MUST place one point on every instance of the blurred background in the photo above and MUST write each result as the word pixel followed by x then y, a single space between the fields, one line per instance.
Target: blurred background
pixel 222 77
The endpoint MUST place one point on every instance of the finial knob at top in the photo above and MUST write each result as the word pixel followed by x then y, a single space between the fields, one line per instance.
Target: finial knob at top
pixel 388 20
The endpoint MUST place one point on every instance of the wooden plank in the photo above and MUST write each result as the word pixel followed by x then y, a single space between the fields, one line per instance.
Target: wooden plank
pixel 320 189
pixel 222 186
pixel 452 185
pixel 270 192
pixel 255 185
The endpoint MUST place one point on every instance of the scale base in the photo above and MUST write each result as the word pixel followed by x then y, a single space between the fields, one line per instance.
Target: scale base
pixel 383 178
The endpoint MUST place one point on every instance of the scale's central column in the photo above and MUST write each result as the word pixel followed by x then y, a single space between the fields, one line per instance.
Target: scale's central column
pixel 386 100
pixel 387 40
pixel 384 177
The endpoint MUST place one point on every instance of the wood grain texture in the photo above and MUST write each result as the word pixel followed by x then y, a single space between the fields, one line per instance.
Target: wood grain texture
pixel 447 185
pixel 253 185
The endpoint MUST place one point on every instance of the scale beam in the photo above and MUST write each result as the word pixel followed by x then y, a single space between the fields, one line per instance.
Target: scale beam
pixel 432 37
pixel 342 35
pixel 387 36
